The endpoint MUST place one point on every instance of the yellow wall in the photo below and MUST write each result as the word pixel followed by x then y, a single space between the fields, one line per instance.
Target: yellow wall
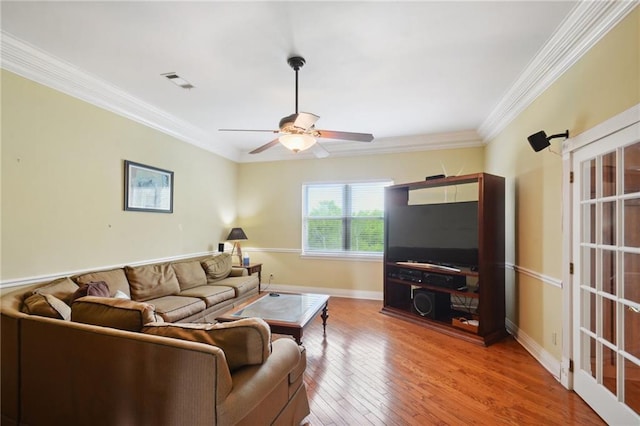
pixel 603 83
pixel 62 187
pixel 270 201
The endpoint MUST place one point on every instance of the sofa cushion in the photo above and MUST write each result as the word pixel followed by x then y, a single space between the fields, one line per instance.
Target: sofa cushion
pixel 98 289
pixel 176 308
pixel 115 279
pixel 115 313
pixel 46 305
pixel 190 274
pixel 151 281
pixel 211 294
pixel 244 342
pixel 62 288
pixel 217 267
pixel 242 285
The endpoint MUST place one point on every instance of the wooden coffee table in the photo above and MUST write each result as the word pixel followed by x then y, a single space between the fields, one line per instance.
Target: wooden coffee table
pixel 286 313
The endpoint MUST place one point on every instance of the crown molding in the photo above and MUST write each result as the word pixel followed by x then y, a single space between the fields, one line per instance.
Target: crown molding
pixel 34 64
pixel 587 23
pixel 582 28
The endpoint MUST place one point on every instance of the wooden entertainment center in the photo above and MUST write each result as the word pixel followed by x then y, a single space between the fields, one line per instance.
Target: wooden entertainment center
pixel 456 284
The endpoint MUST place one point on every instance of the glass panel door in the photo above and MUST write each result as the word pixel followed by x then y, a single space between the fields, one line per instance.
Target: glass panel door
pixel 606 288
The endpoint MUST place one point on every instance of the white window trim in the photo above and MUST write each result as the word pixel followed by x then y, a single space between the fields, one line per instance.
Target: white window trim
pixel 342 255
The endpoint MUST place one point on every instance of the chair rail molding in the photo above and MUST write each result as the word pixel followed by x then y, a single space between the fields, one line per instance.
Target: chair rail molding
pixel 18 282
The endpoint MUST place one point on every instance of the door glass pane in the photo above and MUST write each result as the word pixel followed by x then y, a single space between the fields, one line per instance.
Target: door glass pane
pixel 632 222
pixel 631 318
pixel 632 385
pixel 589 223
pixel 609 223
pixel 589 311
pixel 632 168
pixel 589 179
pixel 609 373
pixel 588 267
pixel 609 320
pixel 609 174
pixel 588 354
pixel 609 271
pixel 632 279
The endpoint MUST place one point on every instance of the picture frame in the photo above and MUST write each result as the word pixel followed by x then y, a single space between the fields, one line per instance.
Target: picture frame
pixel 147 188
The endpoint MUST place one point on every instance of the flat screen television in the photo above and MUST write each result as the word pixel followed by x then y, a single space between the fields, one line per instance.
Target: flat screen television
pixel 444 234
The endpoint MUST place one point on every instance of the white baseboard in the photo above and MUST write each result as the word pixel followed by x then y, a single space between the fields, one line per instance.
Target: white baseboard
pixel 548 361
pixel 336 292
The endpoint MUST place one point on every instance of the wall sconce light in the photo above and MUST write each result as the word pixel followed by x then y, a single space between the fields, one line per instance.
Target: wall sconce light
pixel 540 140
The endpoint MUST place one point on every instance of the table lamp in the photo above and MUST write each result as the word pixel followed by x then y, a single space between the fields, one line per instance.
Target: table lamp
pixel 236 235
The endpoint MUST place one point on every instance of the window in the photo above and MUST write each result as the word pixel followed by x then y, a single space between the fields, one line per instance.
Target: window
pixel 343 218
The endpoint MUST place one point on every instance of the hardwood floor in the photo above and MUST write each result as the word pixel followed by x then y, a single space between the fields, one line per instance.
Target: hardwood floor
pixel 374 369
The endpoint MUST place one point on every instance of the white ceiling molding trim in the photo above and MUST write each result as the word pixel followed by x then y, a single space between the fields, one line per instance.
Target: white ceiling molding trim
pixel 587 23
pixel 27 61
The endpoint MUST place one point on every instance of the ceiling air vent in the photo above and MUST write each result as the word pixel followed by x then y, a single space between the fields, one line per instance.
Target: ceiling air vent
pixel 177 80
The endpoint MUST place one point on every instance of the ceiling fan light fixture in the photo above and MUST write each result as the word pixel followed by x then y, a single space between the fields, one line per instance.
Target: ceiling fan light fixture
pixel 297 142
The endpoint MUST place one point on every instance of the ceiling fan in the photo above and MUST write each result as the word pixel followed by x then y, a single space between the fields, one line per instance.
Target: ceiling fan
pixel 298 132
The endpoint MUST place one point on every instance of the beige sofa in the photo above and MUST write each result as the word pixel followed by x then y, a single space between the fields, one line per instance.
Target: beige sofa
pixel 144 353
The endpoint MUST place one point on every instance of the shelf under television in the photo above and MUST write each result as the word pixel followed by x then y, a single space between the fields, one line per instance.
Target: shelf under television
pixel 470 294
pixel 425 267
pixel 441 325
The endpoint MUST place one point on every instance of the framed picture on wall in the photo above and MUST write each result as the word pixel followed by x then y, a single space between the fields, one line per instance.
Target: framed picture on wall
pixel 147 189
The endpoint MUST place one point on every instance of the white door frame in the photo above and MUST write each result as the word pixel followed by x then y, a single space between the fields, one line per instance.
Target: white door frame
pixel 593 135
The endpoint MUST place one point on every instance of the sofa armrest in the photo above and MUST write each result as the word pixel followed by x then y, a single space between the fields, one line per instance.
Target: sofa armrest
pixel 76 373
pixel 251 385
pixel 237 271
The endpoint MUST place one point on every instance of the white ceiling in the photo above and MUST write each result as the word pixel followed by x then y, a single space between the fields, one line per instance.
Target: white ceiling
pixel 414 74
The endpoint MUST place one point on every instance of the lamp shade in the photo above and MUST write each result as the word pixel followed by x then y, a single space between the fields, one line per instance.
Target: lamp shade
pixel 296 142
pixel 236 234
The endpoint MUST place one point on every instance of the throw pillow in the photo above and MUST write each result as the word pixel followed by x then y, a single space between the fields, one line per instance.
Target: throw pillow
pixel 98 289
pixel 46 305
pixel 245 342
pixel 62 288
pixel 115 313
pixel 217 267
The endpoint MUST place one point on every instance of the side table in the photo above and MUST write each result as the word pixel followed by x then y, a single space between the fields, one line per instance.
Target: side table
pixel 252 268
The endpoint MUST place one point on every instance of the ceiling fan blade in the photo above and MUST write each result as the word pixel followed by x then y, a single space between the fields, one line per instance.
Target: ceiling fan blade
pixel 305 120
pixel 248 130
pixel 348 136
pixel 268 145
pixel 319 151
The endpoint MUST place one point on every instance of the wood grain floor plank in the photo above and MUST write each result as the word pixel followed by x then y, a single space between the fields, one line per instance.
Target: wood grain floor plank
pixel 373 369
